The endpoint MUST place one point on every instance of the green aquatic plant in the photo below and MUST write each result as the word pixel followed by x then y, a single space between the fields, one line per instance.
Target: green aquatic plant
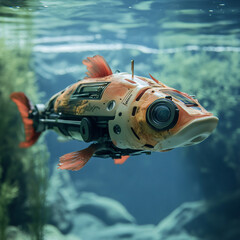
pixel 8 191
pixel 23 174
pixel 15 3
pixel 23 178
pixel 38 179
pixel 215 81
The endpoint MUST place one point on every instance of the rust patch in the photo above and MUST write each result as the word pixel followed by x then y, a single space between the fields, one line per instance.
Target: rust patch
pixel 115 89
pixel 79 109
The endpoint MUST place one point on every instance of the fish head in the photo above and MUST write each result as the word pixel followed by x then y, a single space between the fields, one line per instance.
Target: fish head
pixel 157 118
pixel 175 119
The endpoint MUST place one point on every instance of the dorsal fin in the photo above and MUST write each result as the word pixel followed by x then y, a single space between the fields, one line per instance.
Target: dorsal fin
pixel 97 67
pixel 153 78
pixel 156 81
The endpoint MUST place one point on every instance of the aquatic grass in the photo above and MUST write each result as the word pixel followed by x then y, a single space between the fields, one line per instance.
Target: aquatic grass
pixel 23 172
pixel 8 191
pixel 38 189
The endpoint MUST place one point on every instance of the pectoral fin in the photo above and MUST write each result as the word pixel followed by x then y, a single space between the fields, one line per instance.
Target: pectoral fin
pixel 76 160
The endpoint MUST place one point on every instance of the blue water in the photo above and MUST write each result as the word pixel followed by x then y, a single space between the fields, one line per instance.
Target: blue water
pixel 63 33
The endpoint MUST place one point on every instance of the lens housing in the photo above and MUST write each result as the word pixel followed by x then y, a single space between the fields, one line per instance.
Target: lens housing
pixel 162 114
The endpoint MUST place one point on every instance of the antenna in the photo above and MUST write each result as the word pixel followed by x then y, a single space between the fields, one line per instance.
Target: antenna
pixel 132 68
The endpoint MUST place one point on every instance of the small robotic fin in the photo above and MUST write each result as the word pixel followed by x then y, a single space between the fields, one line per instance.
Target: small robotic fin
pixel 121 160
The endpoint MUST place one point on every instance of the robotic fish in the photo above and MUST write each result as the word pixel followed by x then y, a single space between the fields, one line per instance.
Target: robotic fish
pixel 121 114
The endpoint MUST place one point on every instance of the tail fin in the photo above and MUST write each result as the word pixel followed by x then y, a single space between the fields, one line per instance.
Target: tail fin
pixel 24 106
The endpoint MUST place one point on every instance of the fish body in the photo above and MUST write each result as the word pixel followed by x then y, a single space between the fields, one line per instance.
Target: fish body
pixel 122 114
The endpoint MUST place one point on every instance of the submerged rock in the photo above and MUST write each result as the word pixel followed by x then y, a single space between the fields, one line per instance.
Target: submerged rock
pixel 108 210
pixel 13 233
pixel 67 207
pixel 61 197
pixel 211 220
pixel 174 224
pixel 92 217
pixel 123 231
pixel 50 233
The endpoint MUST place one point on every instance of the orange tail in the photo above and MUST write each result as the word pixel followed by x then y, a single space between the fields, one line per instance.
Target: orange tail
pixel 24 106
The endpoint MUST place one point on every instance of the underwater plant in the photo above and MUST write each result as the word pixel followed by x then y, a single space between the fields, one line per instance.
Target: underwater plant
pixel 214 79
pixel 23 174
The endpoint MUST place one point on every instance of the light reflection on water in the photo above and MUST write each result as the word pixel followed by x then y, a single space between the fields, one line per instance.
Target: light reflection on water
pixel 153 24
pixel 87 47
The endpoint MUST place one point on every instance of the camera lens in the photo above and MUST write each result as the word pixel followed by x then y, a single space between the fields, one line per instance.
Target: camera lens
pixel 162 114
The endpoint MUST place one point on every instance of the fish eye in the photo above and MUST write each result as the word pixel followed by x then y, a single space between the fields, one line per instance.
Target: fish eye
pixel 162 114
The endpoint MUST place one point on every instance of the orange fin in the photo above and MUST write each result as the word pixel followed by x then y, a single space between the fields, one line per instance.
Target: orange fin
pixel 76 160
pixel 24 106
pixel 121 160
pixel 97 67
